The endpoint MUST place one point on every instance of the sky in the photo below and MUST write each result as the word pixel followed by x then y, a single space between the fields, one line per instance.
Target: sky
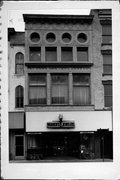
pixel 15 18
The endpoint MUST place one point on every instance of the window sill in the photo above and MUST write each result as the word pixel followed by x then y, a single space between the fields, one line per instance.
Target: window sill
pixel 59 108
pixel 19 74
pixel 104 74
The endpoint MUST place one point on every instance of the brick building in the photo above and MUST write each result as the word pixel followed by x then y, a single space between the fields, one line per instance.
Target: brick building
pixel 60 87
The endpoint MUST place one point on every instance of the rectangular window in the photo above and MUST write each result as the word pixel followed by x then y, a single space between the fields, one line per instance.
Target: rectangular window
pixel 51 53
pixel 37 89
pixel 108 95
pixel 81 89
pixel 19 145
pixel 82 54
pixel 66 54
pixel 107 63
pixel 59 89
pixel 35 54
pixel 106 34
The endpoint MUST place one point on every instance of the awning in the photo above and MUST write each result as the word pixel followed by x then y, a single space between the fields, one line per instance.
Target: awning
pixel 16 120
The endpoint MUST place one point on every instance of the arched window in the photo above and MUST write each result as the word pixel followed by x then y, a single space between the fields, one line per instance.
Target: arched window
pixel 19 97
pixel 19 63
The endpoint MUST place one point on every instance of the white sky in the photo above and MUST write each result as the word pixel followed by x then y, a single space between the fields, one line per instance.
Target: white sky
pixel 15 18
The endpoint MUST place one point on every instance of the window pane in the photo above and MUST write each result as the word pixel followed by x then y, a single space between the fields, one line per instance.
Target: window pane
pixel 81 95
pixel 35 53
pixel 106 29
pixel 107 39
pixel 59 89
pixel 108 101
pixel 19 97
pixel 107 59
pixel 108 89
pixel 108 95
pixel 51 54
pixel 19 144
pixel 66 54
pixel 19 140
pixel 59 79
pixel 19 151
pixel 37 79
pixel 107 69
pixel 82 54
pixel 59 94
pixel 19 56
pixel 81 79
pixel 19 68
pixel 37 95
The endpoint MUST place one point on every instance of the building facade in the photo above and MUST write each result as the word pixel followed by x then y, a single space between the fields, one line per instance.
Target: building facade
pixel 60 88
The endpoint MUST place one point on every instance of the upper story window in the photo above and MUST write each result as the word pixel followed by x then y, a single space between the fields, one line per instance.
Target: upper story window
pixel 82 37
pixel 81 89
pixel 107 62
pixel 59 89
pixel 82 53
pixel 19 63
pixel 107 93
pixel 19 97
pixel 66 37
pixel 35 54
pixel 66 54
pixel 37 89
pixel 35 37
pixel 50 37
pixel 106 34
pixel 51 53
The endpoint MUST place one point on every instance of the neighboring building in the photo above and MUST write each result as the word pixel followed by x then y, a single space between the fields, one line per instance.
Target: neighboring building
pixel 60 87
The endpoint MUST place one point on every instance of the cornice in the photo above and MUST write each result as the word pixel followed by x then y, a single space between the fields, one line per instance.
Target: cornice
pixel 58 65
pixel 81 19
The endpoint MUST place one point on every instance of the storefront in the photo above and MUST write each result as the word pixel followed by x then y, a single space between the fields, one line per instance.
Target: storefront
pixel 69 135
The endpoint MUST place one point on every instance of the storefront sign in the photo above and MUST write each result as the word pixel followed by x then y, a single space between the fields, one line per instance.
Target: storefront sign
pixel 60 124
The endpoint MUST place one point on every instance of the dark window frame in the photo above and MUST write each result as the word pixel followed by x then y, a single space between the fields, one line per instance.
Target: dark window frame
pixel 19 96
pixel 19 61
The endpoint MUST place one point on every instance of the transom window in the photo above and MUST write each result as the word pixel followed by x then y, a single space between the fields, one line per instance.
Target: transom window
pixel 19 63
pixel 37 89
pixel 81 89
pixel 59 89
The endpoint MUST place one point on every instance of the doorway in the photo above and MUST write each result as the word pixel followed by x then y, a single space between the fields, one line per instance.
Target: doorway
pixel 19 146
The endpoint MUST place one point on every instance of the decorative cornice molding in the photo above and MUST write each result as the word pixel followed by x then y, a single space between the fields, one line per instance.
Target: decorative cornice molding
pixel 66 19
pixel 58 65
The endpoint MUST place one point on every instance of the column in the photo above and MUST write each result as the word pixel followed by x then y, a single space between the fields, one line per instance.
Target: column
pixel 48 89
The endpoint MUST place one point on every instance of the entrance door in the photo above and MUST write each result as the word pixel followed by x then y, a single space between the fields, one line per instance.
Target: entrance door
pixel 19 146
pixel 61 145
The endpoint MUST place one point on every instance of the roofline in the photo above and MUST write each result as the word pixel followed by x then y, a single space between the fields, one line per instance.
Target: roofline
pixel 43 18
